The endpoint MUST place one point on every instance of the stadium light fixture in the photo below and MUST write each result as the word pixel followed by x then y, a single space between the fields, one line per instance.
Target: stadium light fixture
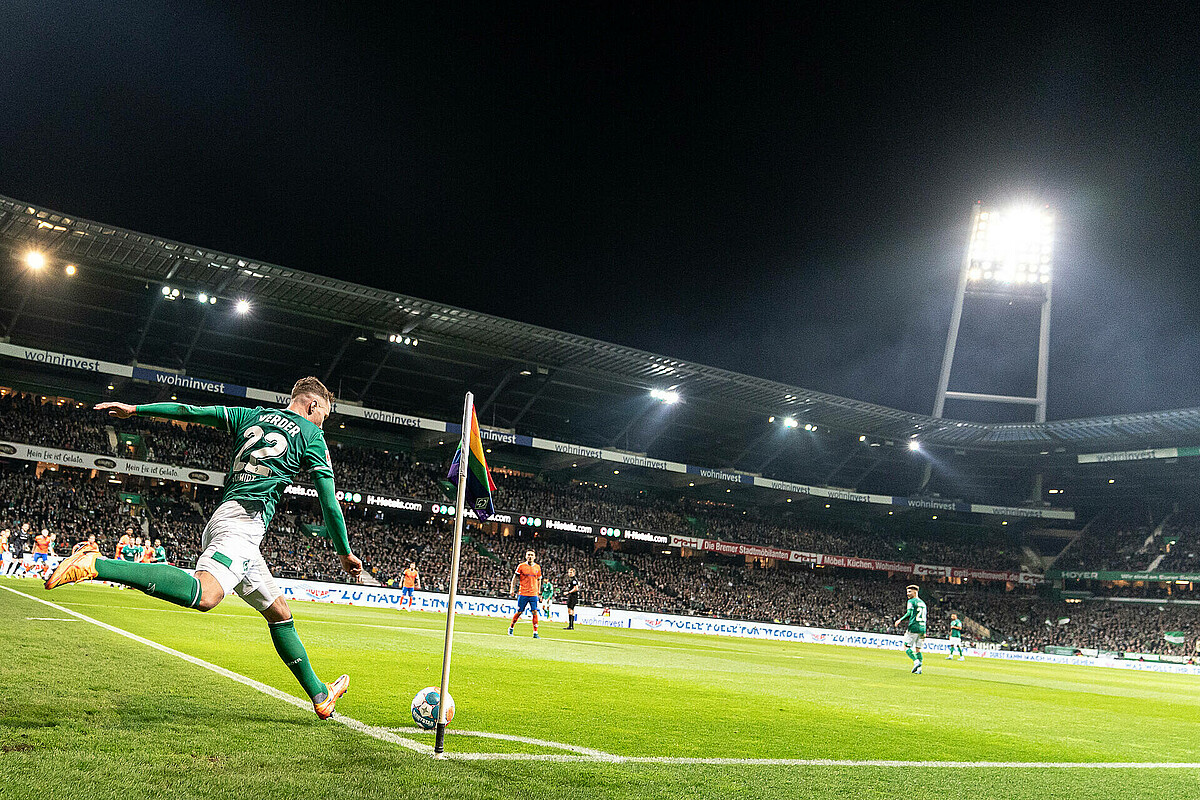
pixel 70 270
pixel 243 306
pixel 914 445
pixel 790 422
pixel 665 396
pixel 166 290
pixel 202 297
pixel 35 260
pixel 1012 247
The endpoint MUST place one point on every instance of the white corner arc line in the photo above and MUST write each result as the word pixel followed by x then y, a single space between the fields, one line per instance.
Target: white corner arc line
pixel 593 755
pixel 349 722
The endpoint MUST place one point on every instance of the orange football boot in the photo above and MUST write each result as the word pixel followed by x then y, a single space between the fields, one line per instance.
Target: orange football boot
pixel 79 567
pixel 336 689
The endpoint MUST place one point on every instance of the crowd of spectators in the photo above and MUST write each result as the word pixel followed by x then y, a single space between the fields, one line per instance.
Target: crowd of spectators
pixel 400 474
pixel 1113 540
pixel 1182 531
pixel 74 507
pixel 71 509
pixel 47 422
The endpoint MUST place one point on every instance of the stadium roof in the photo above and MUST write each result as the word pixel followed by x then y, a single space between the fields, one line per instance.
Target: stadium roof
pixel 530 379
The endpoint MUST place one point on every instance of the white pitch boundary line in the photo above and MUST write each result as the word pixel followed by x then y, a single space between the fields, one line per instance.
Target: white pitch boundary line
pixel 361 727
pixel 585 754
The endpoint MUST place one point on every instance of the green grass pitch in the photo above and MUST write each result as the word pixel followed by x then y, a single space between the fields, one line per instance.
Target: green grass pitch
pixel 85 712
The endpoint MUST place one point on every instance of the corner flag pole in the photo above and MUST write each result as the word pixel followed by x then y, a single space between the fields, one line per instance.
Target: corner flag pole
pixel 464 450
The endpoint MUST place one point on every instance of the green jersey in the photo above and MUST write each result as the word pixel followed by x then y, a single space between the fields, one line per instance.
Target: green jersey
pixel 915 615
pixel 131 552
pixel 160 555
pixel 274 445
pixel 547 590
pixel 956 629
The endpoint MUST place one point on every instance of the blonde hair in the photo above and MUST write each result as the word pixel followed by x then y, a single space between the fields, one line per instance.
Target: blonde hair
pixel 313 386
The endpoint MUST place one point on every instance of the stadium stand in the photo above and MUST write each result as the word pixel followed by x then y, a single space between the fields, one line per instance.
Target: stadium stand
pixel 1114 540
pixel 1182 531
pixel 74 506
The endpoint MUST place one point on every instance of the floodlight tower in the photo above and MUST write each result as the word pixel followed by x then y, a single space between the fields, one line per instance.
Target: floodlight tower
pixel 1009 258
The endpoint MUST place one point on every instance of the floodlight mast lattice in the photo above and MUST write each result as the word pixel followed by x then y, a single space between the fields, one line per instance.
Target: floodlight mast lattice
pixel 1009 257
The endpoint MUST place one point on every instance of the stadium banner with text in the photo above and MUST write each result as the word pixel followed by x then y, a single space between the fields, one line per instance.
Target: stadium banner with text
pixel 124 466
pixel 535 522
pixel 181 381
pixel 1137 455
pixel 1112 575
pixel 501 608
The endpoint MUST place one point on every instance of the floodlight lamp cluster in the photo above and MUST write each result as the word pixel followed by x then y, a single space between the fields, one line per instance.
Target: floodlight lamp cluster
pixel 399 338
pixel 175 293
pixel 665 396
pixel 1012 248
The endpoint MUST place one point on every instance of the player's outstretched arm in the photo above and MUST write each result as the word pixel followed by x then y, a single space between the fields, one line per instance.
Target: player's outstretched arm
pixel 213 416
pixel 335 526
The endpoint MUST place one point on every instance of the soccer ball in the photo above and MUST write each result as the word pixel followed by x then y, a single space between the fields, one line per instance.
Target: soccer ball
pixel 425 708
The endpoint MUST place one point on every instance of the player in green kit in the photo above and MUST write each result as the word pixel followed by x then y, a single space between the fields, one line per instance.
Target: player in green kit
pixel 273 446
pixel 956 638
pixel 547 595
pixel 914 616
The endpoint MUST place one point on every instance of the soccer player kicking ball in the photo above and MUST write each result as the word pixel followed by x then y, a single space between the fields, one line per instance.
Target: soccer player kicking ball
pixel 956 638
pixel 914 616
pixel 530 575
pixel 273 447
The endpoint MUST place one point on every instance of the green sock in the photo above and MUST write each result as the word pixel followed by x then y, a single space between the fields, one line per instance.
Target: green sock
pixel 910 653
pixel 157 580
pixel 291 650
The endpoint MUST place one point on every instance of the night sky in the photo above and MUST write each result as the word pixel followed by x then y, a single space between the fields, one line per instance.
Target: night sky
pixel 773 190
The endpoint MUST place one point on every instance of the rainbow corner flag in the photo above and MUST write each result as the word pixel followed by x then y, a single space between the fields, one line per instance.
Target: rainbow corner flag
pixel 479 479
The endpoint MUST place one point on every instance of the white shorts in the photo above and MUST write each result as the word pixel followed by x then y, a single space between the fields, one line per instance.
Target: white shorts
pixel 914 640
pixel 230 554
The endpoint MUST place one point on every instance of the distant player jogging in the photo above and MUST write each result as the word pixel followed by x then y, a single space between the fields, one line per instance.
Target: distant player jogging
pixel 956 638
pixel 546 598
pixel 412 581
pixel 530 576
pixel 914 616
pixel 274 445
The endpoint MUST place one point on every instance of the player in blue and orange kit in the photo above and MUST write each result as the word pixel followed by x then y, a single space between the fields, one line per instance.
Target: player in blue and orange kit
pixel 412 581
pixel 530 575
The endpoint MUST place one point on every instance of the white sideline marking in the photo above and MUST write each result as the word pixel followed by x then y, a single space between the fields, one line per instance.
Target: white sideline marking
pixel 585 754
pixel 361 727
pixel 51 619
